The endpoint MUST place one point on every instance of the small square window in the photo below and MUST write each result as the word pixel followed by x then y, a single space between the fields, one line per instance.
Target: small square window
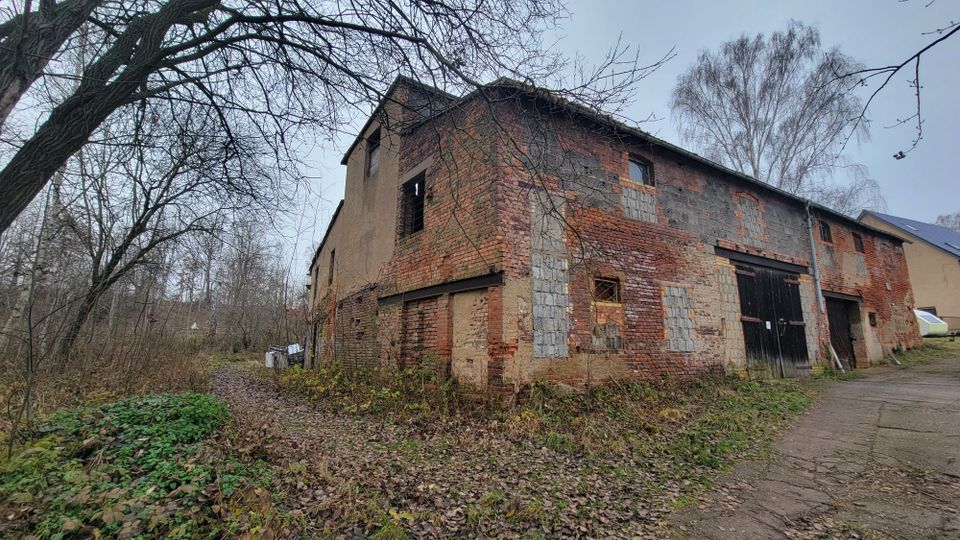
pixel 640 172
pixel 373 153
pixel 825 233
pixel 411 211
pixel 873 318
pixel 858 242
pixel 606 290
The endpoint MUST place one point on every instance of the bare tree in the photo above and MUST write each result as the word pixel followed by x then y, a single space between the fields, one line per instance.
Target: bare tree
pixel 287 64
pixel 886 74
pixel 28 40
pixel 771 106
pixel 170 176
pixel 950 221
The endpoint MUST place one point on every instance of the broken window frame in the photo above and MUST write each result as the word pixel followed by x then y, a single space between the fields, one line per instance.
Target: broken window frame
pixel 610 289
pixel 413 194
pixel 826 234
pixel 858 243
pixel 645 167
pixel 333 255
pixel 373 153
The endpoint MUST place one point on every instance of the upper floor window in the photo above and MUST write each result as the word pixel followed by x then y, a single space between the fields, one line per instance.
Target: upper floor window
pixel 333 255
pixel 411 205
pixel 373 153
pixel 858 243
pixel 825 233
pixel 606 290
pixel 640 172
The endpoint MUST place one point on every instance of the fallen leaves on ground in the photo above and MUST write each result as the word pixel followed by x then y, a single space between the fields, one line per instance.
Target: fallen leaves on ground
pixel 373 475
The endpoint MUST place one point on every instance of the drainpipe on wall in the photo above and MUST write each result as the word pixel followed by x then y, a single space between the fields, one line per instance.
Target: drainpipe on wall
pixel 813 260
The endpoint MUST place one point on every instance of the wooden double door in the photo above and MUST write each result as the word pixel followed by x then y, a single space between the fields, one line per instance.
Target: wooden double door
pixel 774 331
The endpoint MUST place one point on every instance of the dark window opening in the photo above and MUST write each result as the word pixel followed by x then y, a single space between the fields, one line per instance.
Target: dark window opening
pixel 640 172
pixel 412 207
pixel 606 290
pixel 373 153
pixel 858 242
pixel 873 318
pixel 825 233
pixel 333 254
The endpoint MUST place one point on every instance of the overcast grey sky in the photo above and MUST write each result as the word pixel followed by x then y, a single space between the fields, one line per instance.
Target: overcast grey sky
pixel 875 32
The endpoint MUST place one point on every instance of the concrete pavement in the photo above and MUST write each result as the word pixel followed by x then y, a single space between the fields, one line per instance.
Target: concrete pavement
pixel 877 457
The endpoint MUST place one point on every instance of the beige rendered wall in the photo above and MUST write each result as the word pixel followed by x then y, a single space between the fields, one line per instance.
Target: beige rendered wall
pixel 934 274
pixel 364 234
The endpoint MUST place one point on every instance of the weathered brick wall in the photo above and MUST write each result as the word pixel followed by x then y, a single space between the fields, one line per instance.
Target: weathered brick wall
pixel 355 342
pixel 615 229
pixel 879 275
pixel 425 335
pixel 389 335
pixel 324 312
pixel 549 203
pixel 459 236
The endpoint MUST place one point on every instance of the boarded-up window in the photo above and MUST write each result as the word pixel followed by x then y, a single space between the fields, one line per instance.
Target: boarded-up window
pixel 549 307
pixel 861 264
pixel 750 212
pixel 639 205
pixel 607 337
pixel 678 319
pixel 827 255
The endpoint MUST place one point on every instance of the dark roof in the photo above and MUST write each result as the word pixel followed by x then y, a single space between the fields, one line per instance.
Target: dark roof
pixel 941 237
pixel 326 234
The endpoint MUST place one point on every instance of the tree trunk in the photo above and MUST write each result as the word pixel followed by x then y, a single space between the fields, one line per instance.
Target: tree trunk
pixel 14 322
pixel 73 331
pixel 30 40
pixel 102 91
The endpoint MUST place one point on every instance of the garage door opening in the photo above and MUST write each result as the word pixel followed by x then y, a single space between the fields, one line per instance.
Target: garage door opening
pixel 774 331
pixel 841 314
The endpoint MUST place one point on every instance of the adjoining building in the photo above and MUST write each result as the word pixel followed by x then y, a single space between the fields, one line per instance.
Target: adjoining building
pixel 506 236
pixel 933 257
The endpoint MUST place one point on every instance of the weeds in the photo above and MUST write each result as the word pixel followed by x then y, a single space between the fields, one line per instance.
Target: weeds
pixel 138 466
pixel 412 394
pixel 933 349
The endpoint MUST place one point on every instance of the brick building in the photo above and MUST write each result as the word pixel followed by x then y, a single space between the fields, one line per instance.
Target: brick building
pixel 507 236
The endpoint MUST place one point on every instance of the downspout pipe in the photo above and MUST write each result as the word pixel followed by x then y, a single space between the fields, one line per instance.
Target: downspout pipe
pixel 816 279
pixel 813 259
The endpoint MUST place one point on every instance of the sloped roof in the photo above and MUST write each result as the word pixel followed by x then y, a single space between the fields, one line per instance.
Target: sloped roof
pixel 441 95
pixel 941 237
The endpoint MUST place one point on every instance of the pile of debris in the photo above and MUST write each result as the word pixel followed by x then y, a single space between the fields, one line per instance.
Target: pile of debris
pixel 284 356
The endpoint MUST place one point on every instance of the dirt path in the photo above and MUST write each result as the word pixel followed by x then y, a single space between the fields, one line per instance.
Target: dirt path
pixel 877 457
pixel 447 480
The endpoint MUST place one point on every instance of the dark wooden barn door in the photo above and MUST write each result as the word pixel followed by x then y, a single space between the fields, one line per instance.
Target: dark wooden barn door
pixel 838 313
pixel 774 332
